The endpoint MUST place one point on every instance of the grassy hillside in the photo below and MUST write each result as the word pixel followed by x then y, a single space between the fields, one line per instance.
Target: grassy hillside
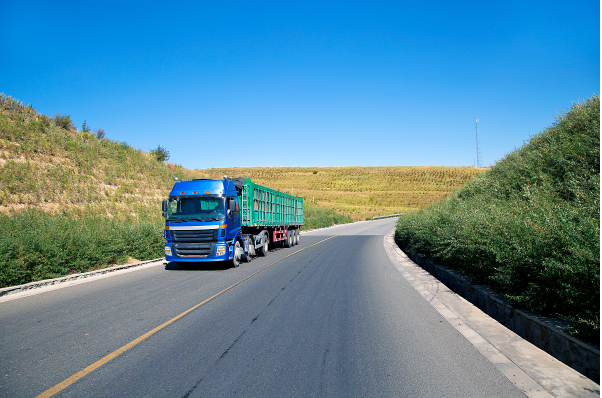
pixel 72 201
pixel 360 192
pixel 66 171
pixel 530 226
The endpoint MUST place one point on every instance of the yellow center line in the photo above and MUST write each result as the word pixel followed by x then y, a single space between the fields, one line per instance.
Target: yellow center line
pixel 64 384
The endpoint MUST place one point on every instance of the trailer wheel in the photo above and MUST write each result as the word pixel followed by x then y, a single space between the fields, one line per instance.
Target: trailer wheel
pixel 289 240
pixel 297 236
pixel 237 255
pixel 263 250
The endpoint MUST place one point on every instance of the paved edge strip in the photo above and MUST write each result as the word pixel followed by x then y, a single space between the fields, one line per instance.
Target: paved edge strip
pixel 544 332
pixel 70 278
pixel 562 381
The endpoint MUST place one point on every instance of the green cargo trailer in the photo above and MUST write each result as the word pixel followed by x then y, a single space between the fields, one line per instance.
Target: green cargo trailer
pixel 263 206
pixel 267 216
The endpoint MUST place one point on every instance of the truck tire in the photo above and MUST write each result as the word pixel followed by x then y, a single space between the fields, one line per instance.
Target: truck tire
pixel 250 254
pixel 263 250
pixel 289 239
pixel 236 258
pixel 297 236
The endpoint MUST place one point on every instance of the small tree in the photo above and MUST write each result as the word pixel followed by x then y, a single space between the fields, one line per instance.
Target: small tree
pixel 85 127
pixel 161 154
pixel 100 133
pixel 63 121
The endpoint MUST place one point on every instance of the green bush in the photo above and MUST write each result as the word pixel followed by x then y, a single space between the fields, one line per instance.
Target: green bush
pixel 161 154
pixel 318 217
pixel 36 245
pixel 529 227
pixel 63 121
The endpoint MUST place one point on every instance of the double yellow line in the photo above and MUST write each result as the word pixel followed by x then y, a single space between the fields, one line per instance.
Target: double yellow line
pixel 64 384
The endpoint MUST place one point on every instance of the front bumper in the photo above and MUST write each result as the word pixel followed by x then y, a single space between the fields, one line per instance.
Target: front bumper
pixel 172 250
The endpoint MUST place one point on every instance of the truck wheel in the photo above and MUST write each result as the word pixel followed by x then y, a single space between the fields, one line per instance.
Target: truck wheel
pixel 296 235
pixel 249 256
pixel 289 240
pixel 237 255
pixel 263 250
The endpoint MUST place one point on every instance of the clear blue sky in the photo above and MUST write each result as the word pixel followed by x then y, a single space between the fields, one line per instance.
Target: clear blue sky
pixel 223 84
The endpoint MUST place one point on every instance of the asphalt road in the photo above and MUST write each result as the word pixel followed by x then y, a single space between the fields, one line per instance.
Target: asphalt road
pixel 329 317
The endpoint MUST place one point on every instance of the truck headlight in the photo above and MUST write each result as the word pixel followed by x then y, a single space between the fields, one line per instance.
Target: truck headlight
pixel 168 250
pixel 220 250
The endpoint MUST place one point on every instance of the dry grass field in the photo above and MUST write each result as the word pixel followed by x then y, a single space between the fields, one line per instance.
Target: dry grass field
pixel 360 192
pixel 62 170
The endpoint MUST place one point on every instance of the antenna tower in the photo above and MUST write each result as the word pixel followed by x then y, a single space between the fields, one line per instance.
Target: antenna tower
pixel 479 156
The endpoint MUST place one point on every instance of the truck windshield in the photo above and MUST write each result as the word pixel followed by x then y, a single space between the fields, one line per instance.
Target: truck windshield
pixel 195 209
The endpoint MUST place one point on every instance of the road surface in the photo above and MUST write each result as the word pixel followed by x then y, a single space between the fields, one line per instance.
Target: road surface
pixel 329 317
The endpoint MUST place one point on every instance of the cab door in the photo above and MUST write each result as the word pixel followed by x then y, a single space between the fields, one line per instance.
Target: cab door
pixel 233 217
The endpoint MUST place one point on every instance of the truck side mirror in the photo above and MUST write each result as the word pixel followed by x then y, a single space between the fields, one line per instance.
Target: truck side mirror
pixel 231 205
pixel 164 208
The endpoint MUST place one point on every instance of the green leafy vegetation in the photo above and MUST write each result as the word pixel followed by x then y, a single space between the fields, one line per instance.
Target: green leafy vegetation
pixel 529 227
pixel 73 201
pixel 161 154
pixel 36 245
pixel 63 121
pixel 318 217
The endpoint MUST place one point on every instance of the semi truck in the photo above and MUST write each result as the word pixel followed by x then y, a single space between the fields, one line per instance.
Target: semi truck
pixel 227 220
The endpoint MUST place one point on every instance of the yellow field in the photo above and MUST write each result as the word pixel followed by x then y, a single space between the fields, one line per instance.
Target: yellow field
pixel 360 192
pixel 69 171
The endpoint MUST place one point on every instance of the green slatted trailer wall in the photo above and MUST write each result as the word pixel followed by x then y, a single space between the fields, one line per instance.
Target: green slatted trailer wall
pixel 265 206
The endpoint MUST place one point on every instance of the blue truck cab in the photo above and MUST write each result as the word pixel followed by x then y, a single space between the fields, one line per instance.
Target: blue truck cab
pixel 203 222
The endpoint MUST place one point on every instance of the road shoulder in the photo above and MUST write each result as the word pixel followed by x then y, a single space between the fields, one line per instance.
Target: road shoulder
pixel 532 370
pixel 31 289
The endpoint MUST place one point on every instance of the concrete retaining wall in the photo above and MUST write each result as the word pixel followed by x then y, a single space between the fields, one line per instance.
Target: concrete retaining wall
pixel 544 332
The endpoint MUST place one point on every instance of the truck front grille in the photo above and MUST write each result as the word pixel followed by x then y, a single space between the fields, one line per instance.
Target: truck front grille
pixel 194 235
pixel 194 249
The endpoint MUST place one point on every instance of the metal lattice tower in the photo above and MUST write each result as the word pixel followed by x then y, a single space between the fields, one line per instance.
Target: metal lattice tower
pixel 479 156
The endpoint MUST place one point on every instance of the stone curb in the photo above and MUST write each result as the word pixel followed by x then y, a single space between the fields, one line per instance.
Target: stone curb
pixel 545 333
pixel 49 282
